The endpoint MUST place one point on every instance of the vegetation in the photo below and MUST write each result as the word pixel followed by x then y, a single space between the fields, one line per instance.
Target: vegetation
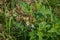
pixel 29 19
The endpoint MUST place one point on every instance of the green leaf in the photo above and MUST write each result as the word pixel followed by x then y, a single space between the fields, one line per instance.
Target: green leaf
pixel 45 10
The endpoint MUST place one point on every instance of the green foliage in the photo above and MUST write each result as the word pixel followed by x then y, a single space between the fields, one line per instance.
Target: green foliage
pixel 39 20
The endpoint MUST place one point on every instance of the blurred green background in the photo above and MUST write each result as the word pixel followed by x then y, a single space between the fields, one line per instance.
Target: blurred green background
pixel 29 19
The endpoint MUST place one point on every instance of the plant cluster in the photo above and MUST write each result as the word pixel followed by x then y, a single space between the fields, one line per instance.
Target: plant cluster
pixel 29 19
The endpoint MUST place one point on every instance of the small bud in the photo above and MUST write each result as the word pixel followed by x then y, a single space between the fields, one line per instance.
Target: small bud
pixel 32 26
pixel 27 23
